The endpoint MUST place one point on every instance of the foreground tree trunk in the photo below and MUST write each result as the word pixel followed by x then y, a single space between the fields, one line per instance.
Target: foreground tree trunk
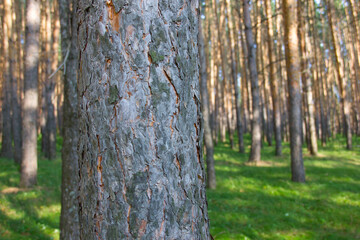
pixel 255 154
pixel 69 219
pixel 293 74
pixel 141 168
pixel 30 103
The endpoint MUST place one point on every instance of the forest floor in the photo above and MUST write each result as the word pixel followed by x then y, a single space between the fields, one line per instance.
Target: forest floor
pixel 250 202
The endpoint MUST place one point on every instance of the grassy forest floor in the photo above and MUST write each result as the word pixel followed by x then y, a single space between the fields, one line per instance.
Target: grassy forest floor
pixel 250 202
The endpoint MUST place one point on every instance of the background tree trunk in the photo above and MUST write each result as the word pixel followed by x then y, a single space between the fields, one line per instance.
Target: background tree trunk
pixel 30 104
pixel 210 164
pixel 255 154
pixel 293 74
pixel 6 142
pixel 273 81
pixel 141 167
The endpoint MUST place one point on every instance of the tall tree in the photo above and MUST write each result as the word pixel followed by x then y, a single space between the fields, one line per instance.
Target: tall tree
pixel 231 39
pixel 273 81
pixel 293 74
pixel 30 102
pixel 16 76
pixel 141 167
pixel 255 154
pixel 69 219
pixel 339 65
pixel 6 143
pixel 209 145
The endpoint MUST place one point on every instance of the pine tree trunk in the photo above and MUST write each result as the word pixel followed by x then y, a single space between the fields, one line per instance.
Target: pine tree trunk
pixel 16 111
pixel 30 103
pixel 255 124
pixel 345 105
pixel 293 74
pixel 141 168
pixel 69 220
pixel 273 81
pixel 210 164
pixel 6 142
pixel 231 39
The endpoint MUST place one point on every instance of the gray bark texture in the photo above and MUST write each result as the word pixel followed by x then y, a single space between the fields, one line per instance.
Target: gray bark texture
pixel 30 102
pixel 69 219
pixel 141 167
pixel 255 154
pixel 293 75
pixel 209 145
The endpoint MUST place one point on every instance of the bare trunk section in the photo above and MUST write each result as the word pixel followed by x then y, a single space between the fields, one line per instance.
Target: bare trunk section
pixel 345 105
pixel 255 154
pixel 6 143
pixel 141 167
pixel 210 164
pixel 30 103
pixel 230 36
pixel 69 219
pixel 16 111
pixel 293 74
pixel 50 126
pixel 273 81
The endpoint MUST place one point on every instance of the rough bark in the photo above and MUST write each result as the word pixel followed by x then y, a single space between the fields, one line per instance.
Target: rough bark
pixel 293 74
pixel 6 142
pixel 273 81
pixel 30 102
pixel 255 154
pixel 141 167
pixel 209 145
pixel 69 219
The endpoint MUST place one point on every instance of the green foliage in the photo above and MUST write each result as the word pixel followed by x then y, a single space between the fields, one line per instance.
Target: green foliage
pixel 249 203
pixel 260 202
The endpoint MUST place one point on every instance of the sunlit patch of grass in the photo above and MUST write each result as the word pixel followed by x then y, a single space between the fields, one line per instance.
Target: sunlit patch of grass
pixel 250 202
pixel 260 202
pixel 30 213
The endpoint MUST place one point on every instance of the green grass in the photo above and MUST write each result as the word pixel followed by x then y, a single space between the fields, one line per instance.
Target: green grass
pixel 260 202
pixel 249 203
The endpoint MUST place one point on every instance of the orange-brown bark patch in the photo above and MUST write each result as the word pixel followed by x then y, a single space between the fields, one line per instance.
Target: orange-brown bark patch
pixel 113 16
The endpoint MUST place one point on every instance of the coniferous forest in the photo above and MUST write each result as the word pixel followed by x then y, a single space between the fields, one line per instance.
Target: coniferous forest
pixel 180 119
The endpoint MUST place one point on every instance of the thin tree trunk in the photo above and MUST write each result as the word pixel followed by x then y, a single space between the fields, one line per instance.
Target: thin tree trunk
pixel 141 167
pixel 16 111
pixel 293 74
pixel 231 38
pixel 50 152
pixel 210 164
pixel 30 103
pixel 6 142
pixel 273 81
pixel 340 77
pixel 255 154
